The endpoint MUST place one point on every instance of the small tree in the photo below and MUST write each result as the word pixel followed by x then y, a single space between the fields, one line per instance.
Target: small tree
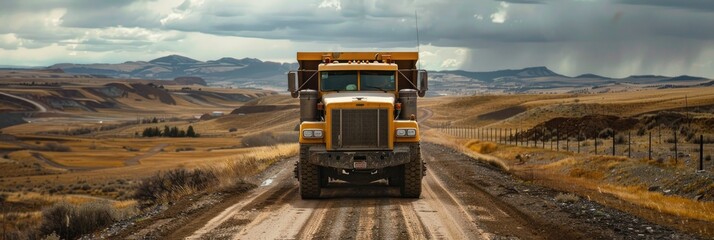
pixel 167 131
pixel 154 120
pixel 174 132
pixel 190 132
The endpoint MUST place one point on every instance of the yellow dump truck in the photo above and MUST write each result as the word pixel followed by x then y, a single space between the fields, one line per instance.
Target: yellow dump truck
pixel 358 119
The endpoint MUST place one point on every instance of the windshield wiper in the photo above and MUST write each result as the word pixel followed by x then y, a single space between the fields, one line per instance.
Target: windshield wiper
pixel 375 87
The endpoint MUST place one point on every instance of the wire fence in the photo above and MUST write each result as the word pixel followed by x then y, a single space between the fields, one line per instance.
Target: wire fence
pixel 692 149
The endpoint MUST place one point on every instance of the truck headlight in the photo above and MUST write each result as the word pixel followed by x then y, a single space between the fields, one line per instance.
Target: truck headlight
pixel 411 132
pixel 312 133
pixel 406 132
pixel 401 132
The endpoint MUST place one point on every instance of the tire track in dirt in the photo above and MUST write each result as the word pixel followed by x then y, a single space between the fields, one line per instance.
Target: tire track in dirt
pixel 258 197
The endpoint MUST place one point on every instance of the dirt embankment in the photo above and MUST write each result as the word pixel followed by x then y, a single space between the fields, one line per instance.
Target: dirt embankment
pixel 589 126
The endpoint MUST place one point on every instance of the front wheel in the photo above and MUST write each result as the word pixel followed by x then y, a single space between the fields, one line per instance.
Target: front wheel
pixel 308 175
pixel 413 173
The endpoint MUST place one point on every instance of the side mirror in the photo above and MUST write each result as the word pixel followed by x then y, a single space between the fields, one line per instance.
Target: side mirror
pixel 423 83
pixel 293 84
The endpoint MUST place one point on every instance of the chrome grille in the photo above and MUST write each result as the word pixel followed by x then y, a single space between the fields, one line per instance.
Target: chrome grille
pixel 360 128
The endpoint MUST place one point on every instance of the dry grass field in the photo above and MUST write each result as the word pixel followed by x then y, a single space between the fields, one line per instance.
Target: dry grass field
pixel 87 148
pixel 651 188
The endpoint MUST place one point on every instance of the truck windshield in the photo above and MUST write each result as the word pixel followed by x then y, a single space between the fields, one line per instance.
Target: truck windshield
pixel 377 80
pixel 338 81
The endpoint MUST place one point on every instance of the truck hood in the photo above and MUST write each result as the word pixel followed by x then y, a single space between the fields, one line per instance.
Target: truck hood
pixel 349 97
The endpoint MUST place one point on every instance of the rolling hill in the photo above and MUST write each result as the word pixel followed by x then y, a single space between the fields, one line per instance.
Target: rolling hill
pixel 246 72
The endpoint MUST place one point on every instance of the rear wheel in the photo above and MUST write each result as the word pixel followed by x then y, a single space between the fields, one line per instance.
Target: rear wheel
pixel 309 175
pixel 413 173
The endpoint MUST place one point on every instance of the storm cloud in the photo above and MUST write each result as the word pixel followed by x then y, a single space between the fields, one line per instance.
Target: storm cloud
pixel 608 37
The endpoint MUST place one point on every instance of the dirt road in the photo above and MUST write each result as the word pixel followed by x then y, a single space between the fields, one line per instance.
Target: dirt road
pixel 153 151
pixel 462 199
pixel 37 105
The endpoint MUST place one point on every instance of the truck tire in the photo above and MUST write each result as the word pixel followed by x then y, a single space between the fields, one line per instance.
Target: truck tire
pixel 309 175
pixel 413 173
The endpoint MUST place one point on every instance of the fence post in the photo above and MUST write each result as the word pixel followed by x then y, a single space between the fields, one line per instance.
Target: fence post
pixel 567 143
pixel 580 134
pixel 701 152
pixel 557 141
pixel 613 142
pixel 649 151
pixel 499 137
pixel 629 144
pixel 676 157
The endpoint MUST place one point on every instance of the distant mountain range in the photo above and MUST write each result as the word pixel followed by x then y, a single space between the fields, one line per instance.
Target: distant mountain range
pixel 251 72
pixel 242 72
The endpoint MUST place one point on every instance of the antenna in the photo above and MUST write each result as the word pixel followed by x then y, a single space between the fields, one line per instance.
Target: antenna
pixel 416 24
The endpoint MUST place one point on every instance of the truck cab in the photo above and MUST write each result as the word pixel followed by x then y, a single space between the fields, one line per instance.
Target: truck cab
pixel 358 120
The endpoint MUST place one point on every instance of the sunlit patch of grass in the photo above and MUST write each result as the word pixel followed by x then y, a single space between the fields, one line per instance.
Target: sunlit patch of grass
pixel 676 205
pixel 258 159
pixel 482 147
pixel 44 199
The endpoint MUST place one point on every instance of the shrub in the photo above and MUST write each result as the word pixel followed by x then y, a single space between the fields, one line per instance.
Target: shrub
pixel 108 189
pixel 184 149
pixel 174 183
pixel 3 197
pixel 268 139
pixel 708 158
pixel 232 130
pixel 620 139
pixel 56 147
pixel 71 221
pixel 606 133
pixel 641 132
pixel 131 149
pixel 566 198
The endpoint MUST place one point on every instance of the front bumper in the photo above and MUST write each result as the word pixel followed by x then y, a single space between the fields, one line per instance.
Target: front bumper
pixel 360 159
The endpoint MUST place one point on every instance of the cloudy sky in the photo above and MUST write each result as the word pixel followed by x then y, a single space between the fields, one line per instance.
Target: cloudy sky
pixel 609 37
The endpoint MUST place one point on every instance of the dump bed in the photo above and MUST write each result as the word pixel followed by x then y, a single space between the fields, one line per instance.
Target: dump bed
pixel 406 62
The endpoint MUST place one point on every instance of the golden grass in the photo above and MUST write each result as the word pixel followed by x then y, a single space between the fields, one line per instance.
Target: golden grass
pixel 482 147
pixel 233 168
pixel 98 159
pixel 675 205
pixel 46 199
